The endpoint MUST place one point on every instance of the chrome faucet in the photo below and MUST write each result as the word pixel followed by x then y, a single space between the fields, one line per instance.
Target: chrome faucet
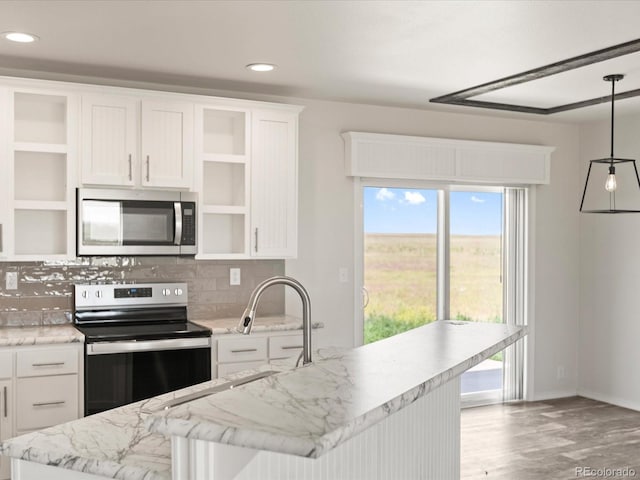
pixel 246 322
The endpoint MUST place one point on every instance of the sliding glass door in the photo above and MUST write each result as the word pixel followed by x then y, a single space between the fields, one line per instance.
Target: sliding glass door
pixel 445 253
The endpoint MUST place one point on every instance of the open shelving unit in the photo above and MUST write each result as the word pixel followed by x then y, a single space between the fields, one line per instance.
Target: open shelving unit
pixel 42 193
pixel 222 137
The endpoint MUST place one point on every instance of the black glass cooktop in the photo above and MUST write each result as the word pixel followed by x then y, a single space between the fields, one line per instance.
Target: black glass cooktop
pixel 147 331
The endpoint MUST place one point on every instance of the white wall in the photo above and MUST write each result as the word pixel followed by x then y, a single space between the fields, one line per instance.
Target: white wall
pixel 609 282
pixel 327 222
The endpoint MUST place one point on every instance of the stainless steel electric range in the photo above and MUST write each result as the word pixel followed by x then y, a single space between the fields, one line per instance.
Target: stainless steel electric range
pixel 138 342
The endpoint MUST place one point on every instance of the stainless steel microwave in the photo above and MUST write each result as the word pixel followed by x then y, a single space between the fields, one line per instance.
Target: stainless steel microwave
pixel 135 222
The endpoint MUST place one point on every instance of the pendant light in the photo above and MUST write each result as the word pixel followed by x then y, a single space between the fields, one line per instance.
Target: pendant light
pixel 606 181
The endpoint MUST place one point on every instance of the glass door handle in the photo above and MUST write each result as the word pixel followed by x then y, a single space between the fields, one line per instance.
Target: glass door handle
pixel 365 297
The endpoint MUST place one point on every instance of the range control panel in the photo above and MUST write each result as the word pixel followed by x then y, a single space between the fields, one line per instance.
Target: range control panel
pixel 133 292
pixel 102 296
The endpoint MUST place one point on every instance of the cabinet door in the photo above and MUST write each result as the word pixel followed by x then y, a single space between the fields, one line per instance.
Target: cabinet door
pixel 6 408
pixel 109 140
pixel 167 144
pixel 274 184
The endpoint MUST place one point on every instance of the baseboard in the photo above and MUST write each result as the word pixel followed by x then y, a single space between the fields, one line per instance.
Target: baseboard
pixel 552 394
pixel 613 400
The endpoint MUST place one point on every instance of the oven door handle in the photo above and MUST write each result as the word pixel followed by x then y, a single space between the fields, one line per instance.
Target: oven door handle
pixel 106 348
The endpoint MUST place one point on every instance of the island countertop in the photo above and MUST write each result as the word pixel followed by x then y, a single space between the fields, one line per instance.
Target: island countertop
pixel 313 409
pixel 305 411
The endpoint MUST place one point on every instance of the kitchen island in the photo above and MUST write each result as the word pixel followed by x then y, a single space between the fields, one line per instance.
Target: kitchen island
pixel 385 410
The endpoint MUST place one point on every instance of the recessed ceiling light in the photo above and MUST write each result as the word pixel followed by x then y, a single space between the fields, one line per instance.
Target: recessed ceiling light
pixel 20 37
pixel 261 67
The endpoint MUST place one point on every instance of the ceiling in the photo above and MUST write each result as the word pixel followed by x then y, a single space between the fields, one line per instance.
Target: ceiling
pixel 400 53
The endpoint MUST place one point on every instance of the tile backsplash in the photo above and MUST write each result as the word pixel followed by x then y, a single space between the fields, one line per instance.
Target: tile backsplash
pixel 45 289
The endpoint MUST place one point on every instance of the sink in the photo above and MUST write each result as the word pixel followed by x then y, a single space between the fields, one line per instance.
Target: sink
pixel 211 390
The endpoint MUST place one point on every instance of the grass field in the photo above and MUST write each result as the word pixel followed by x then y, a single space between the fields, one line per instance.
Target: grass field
pixel 400 278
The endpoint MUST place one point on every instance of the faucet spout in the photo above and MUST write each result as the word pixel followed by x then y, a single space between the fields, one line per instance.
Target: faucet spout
pixel 249 315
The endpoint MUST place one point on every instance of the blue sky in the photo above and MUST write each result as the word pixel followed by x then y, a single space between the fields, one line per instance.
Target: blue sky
pixel 402 210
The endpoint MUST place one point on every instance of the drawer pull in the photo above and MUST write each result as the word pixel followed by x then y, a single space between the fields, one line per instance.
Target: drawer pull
pixel 6 413
pixel 52 364
pixel 47 404
pixel 291 347
pixel 244 350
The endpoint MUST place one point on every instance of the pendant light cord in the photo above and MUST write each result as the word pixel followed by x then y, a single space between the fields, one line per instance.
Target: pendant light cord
pixel 613 96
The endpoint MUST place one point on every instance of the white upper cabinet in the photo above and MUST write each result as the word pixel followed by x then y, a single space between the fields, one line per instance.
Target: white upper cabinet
pixel 167 144
pixel 239 156
pixel 274 184
pixel 137 142
pixel 39 136
pixel 109 140
pixel 223 153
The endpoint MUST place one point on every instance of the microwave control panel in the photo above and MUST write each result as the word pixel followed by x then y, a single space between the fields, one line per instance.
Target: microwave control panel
pixel 188 223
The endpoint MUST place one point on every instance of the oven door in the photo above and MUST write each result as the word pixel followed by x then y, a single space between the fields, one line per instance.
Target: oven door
pixel 117 373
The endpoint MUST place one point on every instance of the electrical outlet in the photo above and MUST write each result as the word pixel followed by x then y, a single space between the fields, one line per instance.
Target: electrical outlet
pixel 11 280
pixel 234 276
pixel 343 275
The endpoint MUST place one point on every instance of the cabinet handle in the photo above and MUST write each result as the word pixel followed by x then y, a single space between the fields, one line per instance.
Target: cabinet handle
pixel 256 245
pixel 147 168
pixel 52 364
pixel 6 413
pixel 130 169
pixel 47 404
pixel 291 347
pixel 244 350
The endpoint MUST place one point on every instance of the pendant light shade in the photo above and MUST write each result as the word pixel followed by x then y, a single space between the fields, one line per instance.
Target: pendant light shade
pixel 613 184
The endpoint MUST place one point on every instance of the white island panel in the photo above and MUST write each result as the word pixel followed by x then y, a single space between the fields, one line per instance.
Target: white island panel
pixel 419 441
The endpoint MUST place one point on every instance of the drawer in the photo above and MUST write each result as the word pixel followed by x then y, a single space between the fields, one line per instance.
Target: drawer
pixel 46 401
pixel 285 346
pixel 227 368
pixel 242 349
pixel 46 361
pixel 6 364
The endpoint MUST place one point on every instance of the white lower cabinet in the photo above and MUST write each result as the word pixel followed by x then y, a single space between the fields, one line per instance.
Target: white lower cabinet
pixel 285 346
pixel 233 353
pixel 39 387
pixel 46 401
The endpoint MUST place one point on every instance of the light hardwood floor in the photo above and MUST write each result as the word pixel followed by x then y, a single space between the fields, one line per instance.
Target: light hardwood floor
pixel 550 440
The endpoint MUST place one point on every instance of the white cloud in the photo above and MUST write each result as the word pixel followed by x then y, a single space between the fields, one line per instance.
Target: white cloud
pixel 385 194
pixel 414 198
pixel 476 199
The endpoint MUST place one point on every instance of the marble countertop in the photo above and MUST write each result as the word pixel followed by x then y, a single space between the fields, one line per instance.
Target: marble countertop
pixel 274 323
pixel 67 333
pixel 311 410
pixel 112 444
pixel 20 336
